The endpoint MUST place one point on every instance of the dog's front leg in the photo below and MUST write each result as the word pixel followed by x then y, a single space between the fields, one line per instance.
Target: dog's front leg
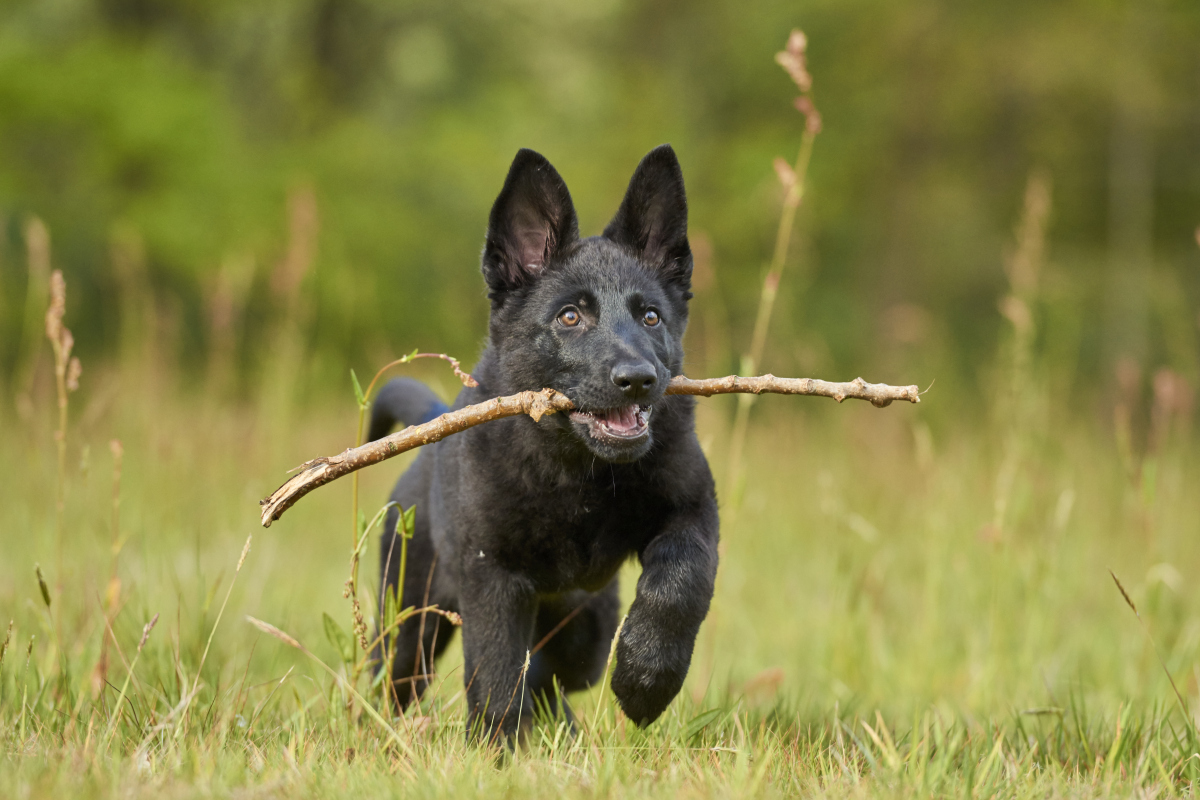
pixel 499 610
pixel 654 652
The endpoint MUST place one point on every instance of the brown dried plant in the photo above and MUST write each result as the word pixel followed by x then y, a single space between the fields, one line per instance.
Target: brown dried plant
pixel 1023 268
pixel 1193 728
pixel 141 355
pixel 67 371
pixel 7 640
pixel 792 176
pixel 112 593
pixel 226 301
pixel 118 708
pixel 358 537
pixel 292 641
pixel 287 341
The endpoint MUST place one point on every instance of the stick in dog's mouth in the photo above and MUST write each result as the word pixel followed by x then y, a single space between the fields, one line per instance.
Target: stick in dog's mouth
pixel 625 422
pixel 320 471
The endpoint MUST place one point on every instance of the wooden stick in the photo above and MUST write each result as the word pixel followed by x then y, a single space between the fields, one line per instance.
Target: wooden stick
pixel 321 471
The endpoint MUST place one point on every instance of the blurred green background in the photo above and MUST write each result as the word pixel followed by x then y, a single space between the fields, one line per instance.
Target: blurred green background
pixel 160 142
pixel 248 199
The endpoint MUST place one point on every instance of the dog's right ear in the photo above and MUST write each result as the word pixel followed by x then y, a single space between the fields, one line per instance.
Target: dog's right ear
pixel 532 221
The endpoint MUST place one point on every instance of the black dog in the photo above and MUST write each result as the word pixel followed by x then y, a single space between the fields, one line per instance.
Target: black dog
pixel 520 523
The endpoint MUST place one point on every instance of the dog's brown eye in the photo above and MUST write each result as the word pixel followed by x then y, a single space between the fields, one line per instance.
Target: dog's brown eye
pixel 570 318
pixel 651 318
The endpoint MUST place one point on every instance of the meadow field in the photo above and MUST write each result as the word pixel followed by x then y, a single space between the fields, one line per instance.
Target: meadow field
pixel 902 608
pixel 211 213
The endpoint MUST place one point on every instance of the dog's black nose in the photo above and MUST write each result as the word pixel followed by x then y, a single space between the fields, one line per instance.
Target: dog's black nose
pixel 634 380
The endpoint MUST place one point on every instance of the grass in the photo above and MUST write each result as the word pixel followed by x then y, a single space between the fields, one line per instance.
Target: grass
pixel 871 632
pixel 913 601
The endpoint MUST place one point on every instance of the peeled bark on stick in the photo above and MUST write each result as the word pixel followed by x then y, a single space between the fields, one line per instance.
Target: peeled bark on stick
pixel 321 471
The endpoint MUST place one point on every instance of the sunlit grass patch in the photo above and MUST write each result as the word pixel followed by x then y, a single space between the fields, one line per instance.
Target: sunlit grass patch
pixel 868 635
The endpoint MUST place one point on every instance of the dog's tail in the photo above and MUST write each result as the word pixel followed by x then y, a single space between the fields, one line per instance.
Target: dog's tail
pixel 406 401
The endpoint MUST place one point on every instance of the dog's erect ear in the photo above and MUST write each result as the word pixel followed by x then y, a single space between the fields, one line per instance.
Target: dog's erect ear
pixel 532 219
pixel 652 219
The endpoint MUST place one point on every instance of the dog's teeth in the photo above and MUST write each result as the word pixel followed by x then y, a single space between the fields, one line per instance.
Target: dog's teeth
pixel 628 421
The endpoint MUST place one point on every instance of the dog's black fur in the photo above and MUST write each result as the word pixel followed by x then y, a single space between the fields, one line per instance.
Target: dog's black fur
pixel 520 522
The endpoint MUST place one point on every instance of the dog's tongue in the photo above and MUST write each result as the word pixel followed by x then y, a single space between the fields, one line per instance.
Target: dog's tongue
pixel 622 419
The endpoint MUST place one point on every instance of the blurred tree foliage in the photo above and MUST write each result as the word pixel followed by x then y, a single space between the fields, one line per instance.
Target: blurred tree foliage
pixel 185 125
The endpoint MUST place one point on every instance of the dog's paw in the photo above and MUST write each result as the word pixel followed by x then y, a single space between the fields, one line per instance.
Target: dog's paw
pixel 648 675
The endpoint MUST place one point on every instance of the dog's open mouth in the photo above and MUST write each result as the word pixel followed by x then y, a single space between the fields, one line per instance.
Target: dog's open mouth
pixel 626 422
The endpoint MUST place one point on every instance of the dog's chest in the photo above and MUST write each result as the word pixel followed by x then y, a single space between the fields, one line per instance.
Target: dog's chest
pixel 577 537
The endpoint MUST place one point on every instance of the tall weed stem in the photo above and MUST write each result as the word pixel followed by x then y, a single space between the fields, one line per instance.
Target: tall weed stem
pixel 793 177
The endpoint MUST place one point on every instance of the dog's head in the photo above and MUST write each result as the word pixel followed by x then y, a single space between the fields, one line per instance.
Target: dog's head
pixel 599 319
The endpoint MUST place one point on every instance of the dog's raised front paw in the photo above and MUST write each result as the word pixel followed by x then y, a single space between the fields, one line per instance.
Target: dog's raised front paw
pixel 648 675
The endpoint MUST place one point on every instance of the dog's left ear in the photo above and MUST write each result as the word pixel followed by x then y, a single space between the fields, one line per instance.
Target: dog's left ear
pixel 652 219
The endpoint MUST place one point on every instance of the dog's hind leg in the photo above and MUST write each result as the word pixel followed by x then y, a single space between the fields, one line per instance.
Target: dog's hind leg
pixel 414 654
pixel 422 637
pixel 575 654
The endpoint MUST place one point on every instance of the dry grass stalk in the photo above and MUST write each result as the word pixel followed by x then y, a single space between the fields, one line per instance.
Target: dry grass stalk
pixel 303 224
pixel 1183 704
pixel 7 640
pixel 358 624
pixel 117 706
pixel 114 583
pixel 226 300
pixel 291 641
pixel 207 645
pixel 286 341
pixel 612 654
pixel 320 471
pixel 519 686
pixel 792 177
pixel 41 579
pixel 1023 268
pixel 112 594
pixel 141 357
pixel 364 403
pixel 562 623
pixel 149 626
pixel 452 617
pixel 67 370
pixel 1174 400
